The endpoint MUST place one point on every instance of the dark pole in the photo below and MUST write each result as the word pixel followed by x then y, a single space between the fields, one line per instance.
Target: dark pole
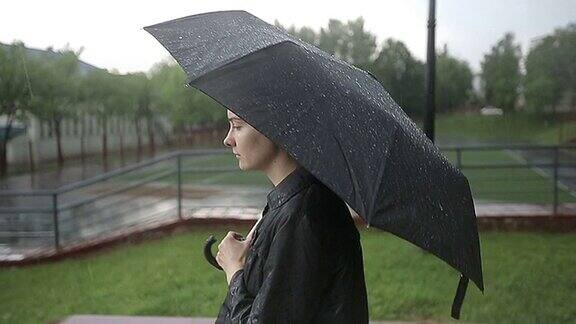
pixel 179 161
pixel 430 73
pixel 555 208
pixel 55 220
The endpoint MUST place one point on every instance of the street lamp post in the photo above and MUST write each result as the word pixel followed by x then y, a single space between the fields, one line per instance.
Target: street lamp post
pixel 430 73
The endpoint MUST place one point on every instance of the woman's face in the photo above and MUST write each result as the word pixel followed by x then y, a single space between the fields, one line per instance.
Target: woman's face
pixel 253 150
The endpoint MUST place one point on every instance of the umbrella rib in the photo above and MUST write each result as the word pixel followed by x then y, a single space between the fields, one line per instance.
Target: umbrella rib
pixel 353 179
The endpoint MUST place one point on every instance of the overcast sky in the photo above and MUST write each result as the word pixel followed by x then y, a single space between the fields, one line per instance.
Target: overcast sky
pixel 112 36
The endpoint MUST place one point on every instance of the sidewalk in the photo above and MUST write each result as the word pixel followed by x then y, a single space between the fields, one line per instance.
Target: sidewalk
pixel 162 221
pixel 110 319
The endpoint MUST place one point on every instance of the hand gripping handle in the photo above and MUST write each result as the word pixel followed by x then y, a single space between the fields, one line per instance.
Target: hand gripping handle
pixel 208 252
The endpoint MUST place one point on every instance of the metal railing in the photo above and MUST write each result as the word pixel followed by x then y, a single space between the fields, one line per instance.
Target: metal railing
pixel 80 211
pixel 100 201
pixel 543 174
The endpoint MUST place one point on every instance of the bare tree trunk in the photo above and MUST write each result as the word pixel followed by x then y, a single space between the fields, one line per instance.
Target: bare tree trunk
pixel 30 156
pixel 151 144
pixel 4 147
pixel 180 131
pixel 82 142
pixel 57 131
pixel 3 159
pixel 138 139
pixel 104 144
pixel 121 135
pixel 31 163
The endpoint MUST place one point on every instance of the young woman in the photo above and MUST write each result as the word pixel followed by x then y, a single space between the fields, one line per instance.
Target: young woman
pixel 303 261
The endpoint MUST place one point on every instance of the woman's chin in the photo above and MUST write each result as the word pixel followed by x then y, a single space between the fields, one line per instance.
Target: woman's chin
pixel 244 167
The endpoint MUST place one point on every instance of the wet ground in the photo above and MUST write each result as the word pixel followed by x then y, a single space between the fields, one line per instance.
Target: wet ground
pixel 147 208
pixel 51 177
pixel 114 319
pixel 566 171
pixel 155 203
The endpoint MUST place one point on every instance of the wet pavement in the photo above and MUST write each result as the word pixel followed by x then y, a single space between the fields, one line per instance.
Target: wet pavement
pixel 85 220
pixel 115 319
pixel 73 171
pixel 566 171
pixel 155 205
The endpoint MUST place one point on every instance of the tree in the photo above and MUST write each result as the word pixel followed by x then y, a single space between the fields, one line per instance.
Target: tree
pixel 402 76
pixel 15 92
pixel 551 70
pixel 501 73
pixel 362 43
pixel 566 38
pixel 349 42
pixel 140 106
pixel 453 82
pixel 184 106
pixel 125 99
pixel 104 93
pixel 306 34
pixel 56 92
pixel 332 39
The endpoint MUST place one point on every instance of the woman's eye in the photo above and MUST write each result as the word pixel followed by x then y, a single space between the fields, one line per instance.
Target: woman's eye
pixel 236 127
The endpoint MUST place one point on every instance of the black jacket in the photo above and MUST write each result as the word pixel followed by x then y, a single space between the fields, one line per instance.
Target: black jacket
pixel 304 264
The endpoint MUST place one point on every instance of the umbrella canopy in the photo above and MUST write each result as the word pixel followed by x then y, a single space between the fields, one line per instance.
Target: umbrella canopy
pixel 339 123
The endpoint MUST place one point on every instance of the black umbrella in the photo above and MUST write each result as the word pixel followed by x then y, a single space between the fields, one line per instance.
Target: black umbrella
pixel 339 123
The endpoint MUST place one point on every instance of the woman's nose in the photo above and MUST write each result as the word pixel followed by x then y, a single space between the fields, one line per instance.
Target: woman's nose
pixel 228 142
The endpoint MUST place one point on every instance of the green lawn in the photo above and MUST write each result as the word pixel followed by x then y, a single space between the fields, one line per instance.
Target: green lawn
pixel 529 128
pixel 529 278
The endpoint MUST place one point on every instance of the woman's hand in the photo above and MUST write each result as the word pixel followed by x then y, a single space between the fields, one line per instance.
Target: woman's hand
pixel 232 253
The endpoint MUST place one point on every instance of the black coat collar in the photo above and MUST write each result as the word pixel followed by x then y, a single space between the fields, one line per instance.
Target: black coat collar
pixel 293 183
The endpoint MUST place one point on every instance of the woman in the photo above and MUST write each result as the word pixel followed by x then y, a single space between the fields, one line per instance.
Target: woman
pixel 303 261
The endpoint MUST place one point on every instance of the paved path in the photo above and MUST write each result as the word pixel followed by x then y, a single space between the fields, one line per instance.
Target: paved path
pixel 154 205
pixel 111 319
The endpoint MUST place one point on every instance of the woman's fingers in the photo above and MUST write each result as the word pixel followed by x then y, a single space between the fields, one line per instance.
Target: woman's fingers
pixel 219 258
pixel 234 235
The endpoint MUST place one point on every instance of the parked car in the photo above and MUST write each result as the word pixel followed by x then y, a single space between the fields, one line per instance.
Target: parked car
pixel 491 111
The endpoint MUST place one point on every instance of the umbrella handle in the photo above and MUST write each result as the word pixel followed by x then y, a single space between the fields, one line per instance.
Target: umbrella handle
pixel 208 252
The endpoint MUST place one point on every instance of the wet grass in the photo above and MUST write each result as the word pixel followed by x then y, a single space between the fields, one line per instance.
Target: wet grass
pixel 528 278
pixel 509 128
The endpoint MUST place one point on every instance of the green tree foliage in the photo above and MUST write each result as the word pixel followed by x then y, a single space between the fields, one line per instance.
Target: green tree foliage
pixel 402 76
pixel 183 105
pixel 551 70
pixel 453 82
pixel 56 92
pixel 347 41
pixel 106 99
pixel 501 73
pixel 362 43
pixel 139 106
pixel 306 34
pixel 15 92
